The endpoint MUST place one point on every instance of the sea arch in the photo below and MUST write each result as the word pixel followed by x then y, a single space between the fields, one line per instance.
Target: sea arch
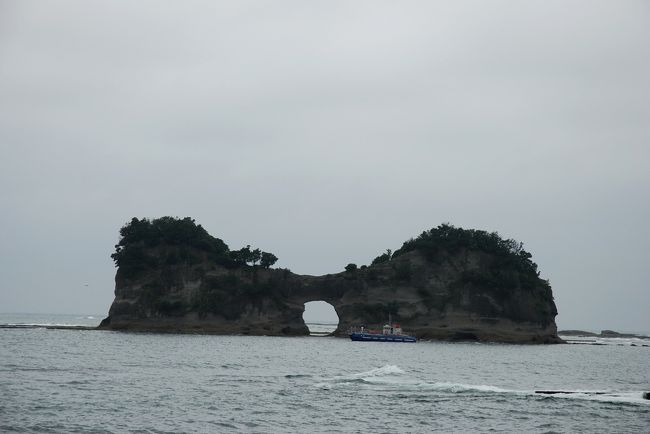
pixel 320 317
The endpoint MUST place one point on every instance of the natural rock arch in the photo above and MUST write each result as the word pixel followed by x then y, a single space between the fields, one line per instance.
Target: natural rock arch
pixel 322 315
pixel 449 283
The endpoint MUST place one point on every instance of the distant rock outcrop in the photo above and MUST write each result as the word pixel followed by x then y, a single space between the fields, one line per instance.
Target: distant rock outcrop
pixel 602 334
pixel 449 283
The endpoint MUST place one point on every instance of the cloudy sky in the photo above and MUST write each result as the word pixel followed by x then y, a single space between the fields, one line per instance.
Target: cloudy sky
pixel 326 132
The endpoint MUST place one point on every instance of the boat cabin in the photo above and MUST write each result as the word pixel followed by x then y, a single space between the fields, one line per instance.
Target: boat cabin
pixel 392 329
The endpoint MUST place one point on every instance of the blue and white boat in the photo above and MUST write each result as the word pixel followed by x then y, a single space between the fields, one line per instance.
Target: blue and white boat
pixel 391 332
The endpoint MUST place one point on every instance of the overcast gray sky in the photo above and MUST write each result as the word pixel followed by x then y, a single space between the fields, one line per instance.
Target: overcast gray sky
pixel 326 132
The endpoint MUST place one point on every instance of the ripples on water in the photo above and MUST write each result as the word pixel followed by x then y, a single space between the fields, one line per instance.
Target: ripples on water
pixel 92 381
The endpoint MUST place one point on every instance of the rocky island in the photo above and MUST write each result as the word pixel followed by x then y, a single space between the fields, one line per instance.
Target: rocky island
pixel 448 283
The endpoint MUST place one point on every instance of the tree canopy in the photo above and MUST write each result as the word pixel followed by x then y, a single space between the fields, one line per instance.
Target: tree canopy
pixel 268 259
pixel 138 235
pixel 452 239
pixel 384 257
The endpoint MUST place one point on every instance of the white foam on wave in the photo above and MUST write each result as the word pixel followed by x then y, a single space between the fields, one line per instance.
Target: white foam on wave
pixel 387 374
pixel 392 377
pixel 597 340
pixel 385 370
pixel 460 387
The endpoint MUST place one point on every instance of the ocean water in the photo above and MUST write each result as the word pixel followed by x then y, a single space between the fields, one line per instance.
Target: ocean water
pixel 100 381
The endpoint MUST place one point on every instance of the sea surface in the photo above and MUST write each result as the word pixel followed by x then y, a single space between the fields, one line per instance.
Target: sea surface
pixel 99 381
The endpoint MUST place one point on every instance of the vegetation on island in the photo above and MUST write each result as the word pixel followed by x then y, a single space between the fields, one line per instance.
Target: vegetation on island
pixel 384 257
pixel 481 271
pixel 510 265
pixel 452 239
pixel 169 241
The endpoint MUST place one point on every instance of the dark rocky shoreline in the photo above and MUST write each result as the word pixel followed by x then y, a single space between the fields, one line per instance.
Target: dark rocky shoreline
pixel 602 334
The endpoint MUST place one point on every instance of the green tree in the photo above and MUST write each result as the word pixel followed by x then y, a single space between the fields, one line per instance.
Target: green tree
pixel 511 263
pixel 255 256
pixel 351 268
pixel 384 257
pixel 268 259
pixel 243 255
pixel 137 236
pixel 133 253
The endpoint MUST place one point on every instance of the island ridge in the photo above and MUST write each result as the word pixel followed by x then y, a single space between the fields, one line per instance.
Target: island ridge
pixel 448 283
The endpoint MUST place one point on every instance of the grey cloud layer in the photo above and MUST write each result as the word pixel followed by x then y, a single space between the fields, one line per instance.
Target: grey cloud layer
pixel 327 132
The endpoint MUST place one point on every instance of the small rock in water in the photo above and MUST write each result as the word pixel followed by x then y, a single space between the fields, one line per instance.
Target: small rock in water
pixel 646 395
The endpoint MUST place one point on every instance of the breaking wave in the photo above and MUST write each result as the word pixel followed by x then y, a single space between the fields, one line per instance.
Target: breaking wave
pixel 387 374
pixel 392 377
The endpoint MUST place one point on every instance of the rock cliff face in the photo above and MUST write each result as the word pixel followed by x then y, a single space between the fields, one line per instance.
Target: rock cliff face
pixel 452 295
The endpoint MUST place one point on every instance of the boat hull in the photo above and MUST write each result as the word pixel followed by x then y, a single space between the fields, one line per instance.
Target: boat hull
pixel 372 337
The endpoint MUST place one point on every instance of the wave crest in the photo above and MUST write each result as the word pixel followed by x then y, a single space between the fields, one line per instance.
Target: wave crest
pixel 393 378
